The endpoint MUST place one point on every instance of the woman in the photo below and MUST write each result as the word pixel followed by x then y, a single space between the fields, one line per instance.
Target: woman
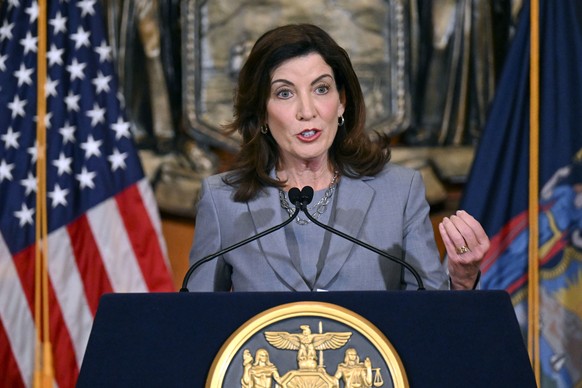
pixel 300 111
pixel 261 373
pixel 353 372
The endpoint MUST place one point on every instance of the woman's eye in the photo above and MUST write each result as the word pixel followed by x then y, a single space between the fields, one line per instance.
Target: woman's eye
pixel 322 89
pixel 285 93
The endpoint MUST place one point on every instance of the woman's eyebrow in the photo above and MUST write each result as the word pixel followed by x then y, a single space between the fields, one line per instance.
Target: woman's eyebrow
pixel 285 81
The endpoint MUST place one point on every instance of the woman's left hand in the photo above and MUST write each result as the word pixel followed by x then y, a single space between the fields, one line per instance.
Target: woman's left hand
pixel 466 243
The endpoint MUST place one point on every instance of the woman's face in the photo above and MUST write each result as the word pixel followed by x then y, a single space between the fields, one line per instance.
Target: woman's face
pixel 303 109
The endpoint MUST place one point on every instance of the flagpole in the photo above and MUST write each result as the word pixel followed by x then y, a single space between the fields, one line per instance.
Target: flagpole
pixel 533 211
pixel 43 374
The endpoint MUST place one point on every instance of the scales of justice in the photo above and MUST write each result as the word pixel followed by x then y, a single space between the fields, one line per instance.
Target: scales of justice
pixel 260 372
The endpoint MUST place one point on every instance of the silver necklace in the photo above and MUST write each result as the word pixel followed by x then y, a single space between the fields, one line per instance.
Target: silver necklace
pixel 316 210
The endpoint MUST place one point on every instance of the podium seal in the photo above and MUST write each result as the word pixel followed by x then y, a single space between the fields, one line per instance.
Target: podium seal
pixel 307 344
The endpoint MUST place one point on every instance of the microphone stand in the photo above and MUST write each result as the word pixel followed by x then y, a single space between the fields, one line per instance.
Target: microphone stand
pixel 307 192
pixel 294 192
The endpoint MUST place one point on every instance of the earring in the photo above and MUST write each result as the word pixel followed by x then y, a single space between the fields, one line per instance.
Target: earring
pixel 341 121
pixel 264 129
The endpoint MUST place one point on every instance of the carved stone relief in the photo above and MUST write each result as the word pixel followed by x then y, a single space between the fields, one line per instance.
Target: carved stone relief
pixel 219 34
pixel 427 71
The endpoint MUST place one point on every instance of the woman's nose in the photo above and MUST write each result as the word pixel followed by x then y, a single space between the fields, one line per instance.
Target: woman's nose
pixel 305 110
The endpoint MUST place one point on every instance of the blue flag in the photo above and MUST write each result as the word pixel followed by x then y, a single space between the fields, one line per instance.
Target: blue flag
pixel 497 189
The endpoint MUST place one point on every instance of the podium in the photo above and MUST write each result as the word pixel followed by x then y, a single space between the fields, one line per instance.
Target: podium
pixel 443 338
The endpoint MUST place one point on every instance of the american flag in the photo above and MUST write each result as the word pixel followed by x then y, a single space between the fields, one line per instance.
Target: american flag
pixel 104 232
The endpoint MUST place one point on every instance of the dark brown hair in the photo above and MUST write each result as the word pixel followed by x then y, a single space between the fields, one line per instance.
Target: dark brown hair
pixel 352 153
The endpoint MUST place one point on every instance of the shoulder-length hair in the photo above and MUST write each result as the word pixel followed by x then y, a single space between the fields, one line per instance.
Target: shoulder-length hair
pixel 352 153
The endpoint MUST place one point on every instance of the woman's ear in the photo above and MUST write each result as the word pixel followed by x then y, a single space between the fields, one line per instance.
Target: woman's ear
pixel 342 108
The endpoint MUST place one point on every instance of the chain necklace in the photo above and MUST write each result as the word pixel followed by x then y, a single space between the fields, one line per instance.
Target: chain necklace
pixel 316 210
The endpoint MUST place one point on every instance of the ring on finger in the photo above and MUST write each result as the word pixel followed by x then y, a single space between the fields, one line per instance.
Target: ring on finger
pixel 463 249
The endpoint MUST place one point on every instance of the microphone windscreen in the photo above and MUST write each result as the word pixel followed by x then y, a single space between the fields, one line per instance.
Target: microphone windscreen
pixel 294 195
pixel 306 195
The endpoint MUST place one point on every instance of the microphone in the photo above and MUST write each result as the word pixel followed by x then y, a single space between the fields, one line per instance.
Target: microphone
pixel 296 198
pixel 305 198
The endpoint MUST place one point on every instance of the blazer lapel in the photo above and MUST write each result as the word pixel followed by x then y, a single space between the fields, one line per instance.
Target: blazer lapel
pixel 354 198
pixel 266 213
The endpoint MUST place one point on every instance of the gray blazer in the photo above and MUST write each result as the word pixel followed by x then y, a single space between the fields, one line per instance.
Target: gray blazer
pixel 388 211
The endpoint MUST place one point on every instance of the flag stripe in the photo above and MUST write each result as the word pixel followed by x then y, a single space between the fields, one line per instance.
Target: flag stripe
pixel 151 207
pixel 64 361
pixel 115 248
pixel 11 377
pixel 143 239
pixel 90 265
pixel 69 291
pixel 14 307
